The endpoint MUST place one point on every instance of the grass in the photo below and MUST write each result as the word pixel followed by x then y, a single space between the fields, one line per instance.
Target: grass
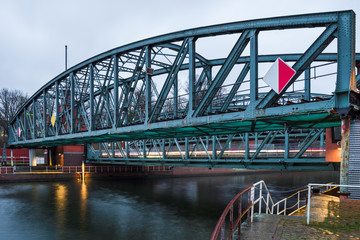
pixel 343 217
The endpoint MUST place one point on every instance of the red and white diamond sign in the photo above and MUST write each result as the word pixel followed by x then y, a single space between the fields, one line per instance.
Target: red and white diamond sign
pixel 278 75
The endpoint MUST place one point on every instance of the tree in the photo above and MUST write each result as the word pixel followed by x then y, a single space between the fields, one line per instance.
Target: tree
pixel 10 102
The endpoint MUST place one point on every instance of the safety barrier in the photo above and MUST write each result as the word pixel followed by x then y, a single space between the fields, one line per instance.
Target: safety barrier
pixel 6 170
pixel 255 196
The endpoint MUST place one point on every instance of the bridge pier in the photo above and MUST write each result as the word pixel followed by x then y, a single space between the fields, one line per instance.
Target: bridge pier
pixel 344 167
pixel 32 157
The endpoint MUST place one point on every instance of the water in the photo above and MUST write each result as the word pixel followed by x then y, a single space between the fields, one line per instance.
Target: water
pixel 162 208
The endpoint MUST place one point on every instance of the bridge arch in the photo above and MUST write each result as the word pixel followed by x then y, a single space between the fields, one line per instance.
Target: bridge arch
pixel 132 92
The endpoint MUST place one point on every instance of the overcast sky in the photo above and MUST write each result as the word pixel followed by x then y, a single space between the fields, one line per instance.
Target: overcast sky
pixel 34 33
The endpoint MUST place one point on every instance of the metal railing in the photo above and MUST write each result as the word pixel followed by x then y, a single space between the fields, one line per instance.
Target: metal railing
pixel 312 185
pixel 253 198
pixel 298 205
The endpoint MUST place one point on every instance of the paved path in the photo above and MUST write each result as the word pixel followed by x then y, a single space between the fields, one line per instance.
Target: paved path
pixel 330 219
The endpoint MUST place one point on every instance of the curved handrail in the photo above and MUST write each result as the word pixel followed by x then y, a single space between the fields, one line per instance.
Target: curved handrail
pixel 220 226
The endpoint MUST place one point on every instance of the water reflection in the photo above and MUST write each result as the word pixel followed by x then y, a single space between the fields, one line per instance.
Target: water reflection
pixel 83 205
pixel 61 205
pixel 150 208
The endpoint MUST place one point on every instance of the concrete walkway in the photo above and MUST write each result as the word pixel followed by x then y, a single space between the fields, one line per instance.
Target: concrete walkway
pixel 330 219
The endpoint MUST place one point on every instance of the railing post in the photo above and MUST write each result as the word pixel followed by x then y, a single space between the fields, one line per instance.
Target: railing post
pixel 267 203
pixel 308 206
pixel 231 219
pixel 240 212
pixel 260 197
pixel 285 206
pixel 248 212
pixel 298 200
pixel 277 212
pixel 222 231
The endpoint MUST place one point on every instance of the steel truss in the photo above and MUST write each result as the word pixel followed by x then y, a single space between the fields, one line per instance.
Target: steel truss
pixel 294 149
pixel 132 92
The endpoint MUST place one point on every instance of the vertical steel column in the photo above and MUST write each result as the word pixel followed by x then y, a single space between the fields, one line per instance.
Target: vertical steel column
pixel 192 71
pixel 247 148
pixel 44 114
pixel 147 83
pixel 144 148
pixel 72 103
pixel 214 147
pixel 346 58
pixel 34 119
pixel 254 67
pixel 127 149
pixel 116 91
pixel 322 139
pixel 307 84
pixel 286 152
pixel 345 142
pixel 57 125
pixel 209 79
pixel 186 148
pixel 91 83
pixel 163 148
pixel 176 95
pixel 25 125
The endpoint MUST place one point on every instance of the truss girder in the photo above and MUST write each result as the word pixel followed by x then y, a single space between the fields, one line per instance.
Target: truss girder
pixel 265 149
pixel 117 95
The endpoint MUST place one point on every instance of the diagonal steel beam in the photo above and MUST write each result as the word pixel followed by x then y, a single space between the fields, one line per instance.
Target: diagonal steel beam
pixel 258 150
pixel 236 86
pixel 307 145
pixel 169 81
pixel 223 73
pixel 304 62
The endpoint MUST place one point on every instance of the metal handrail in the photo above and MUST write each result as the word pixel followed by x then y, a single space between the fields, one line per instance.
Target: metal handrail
pixel 229 210
pixel 285 203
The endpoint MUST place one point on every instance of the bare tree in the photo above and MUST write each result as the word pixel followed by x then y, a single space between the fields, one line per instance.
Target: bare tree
pixel 10 101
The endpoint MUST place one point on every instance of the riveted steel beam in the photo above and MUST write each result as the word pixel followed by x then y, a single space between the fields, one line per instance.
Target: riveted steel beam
pixel 223 73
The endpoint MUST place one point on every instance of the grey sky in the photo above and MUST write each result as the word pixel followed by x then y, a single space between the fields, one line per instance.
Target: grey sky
pixel 33 33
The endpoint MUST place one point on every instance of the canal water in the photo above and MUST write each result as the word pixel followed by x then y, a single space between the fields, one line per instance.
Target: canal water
pixel 147 208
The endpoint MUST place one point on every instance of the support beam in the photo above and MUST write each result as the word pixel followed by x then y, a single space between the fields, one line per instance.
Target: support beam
pixel 45 128
pixel 254 85
pixel 223 73
pixel 307 145
pixel 344 165
pixel 192 79
pixel 57 95
pixel 345 81
pixel 91 100
pixel 236 87
pixel 304 62
pixel 148 83
pixel 72 103
pixel 307 84
pixel 116 91
pixel 180 57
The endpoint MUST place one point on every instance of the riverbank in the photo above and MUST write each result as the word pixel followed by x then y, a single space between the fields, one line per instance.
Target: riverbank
pixel 111 172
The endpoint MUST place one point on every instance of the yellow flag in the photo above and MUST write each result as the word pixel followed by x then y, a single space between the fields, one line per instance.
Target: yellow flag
pixel 53 119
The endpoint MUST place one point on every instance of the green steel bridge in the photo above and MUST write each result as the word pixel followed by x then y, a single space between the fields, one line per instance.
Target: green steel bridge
pixel 167 101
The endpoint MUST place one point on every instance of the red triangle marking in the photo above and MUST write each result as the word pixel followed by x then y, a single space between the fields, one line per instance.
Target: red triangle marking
pixel 285 74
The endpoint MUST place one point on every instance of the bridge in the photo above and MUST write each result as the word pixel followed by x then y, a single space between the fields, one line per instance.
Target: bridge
pixel 169 93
